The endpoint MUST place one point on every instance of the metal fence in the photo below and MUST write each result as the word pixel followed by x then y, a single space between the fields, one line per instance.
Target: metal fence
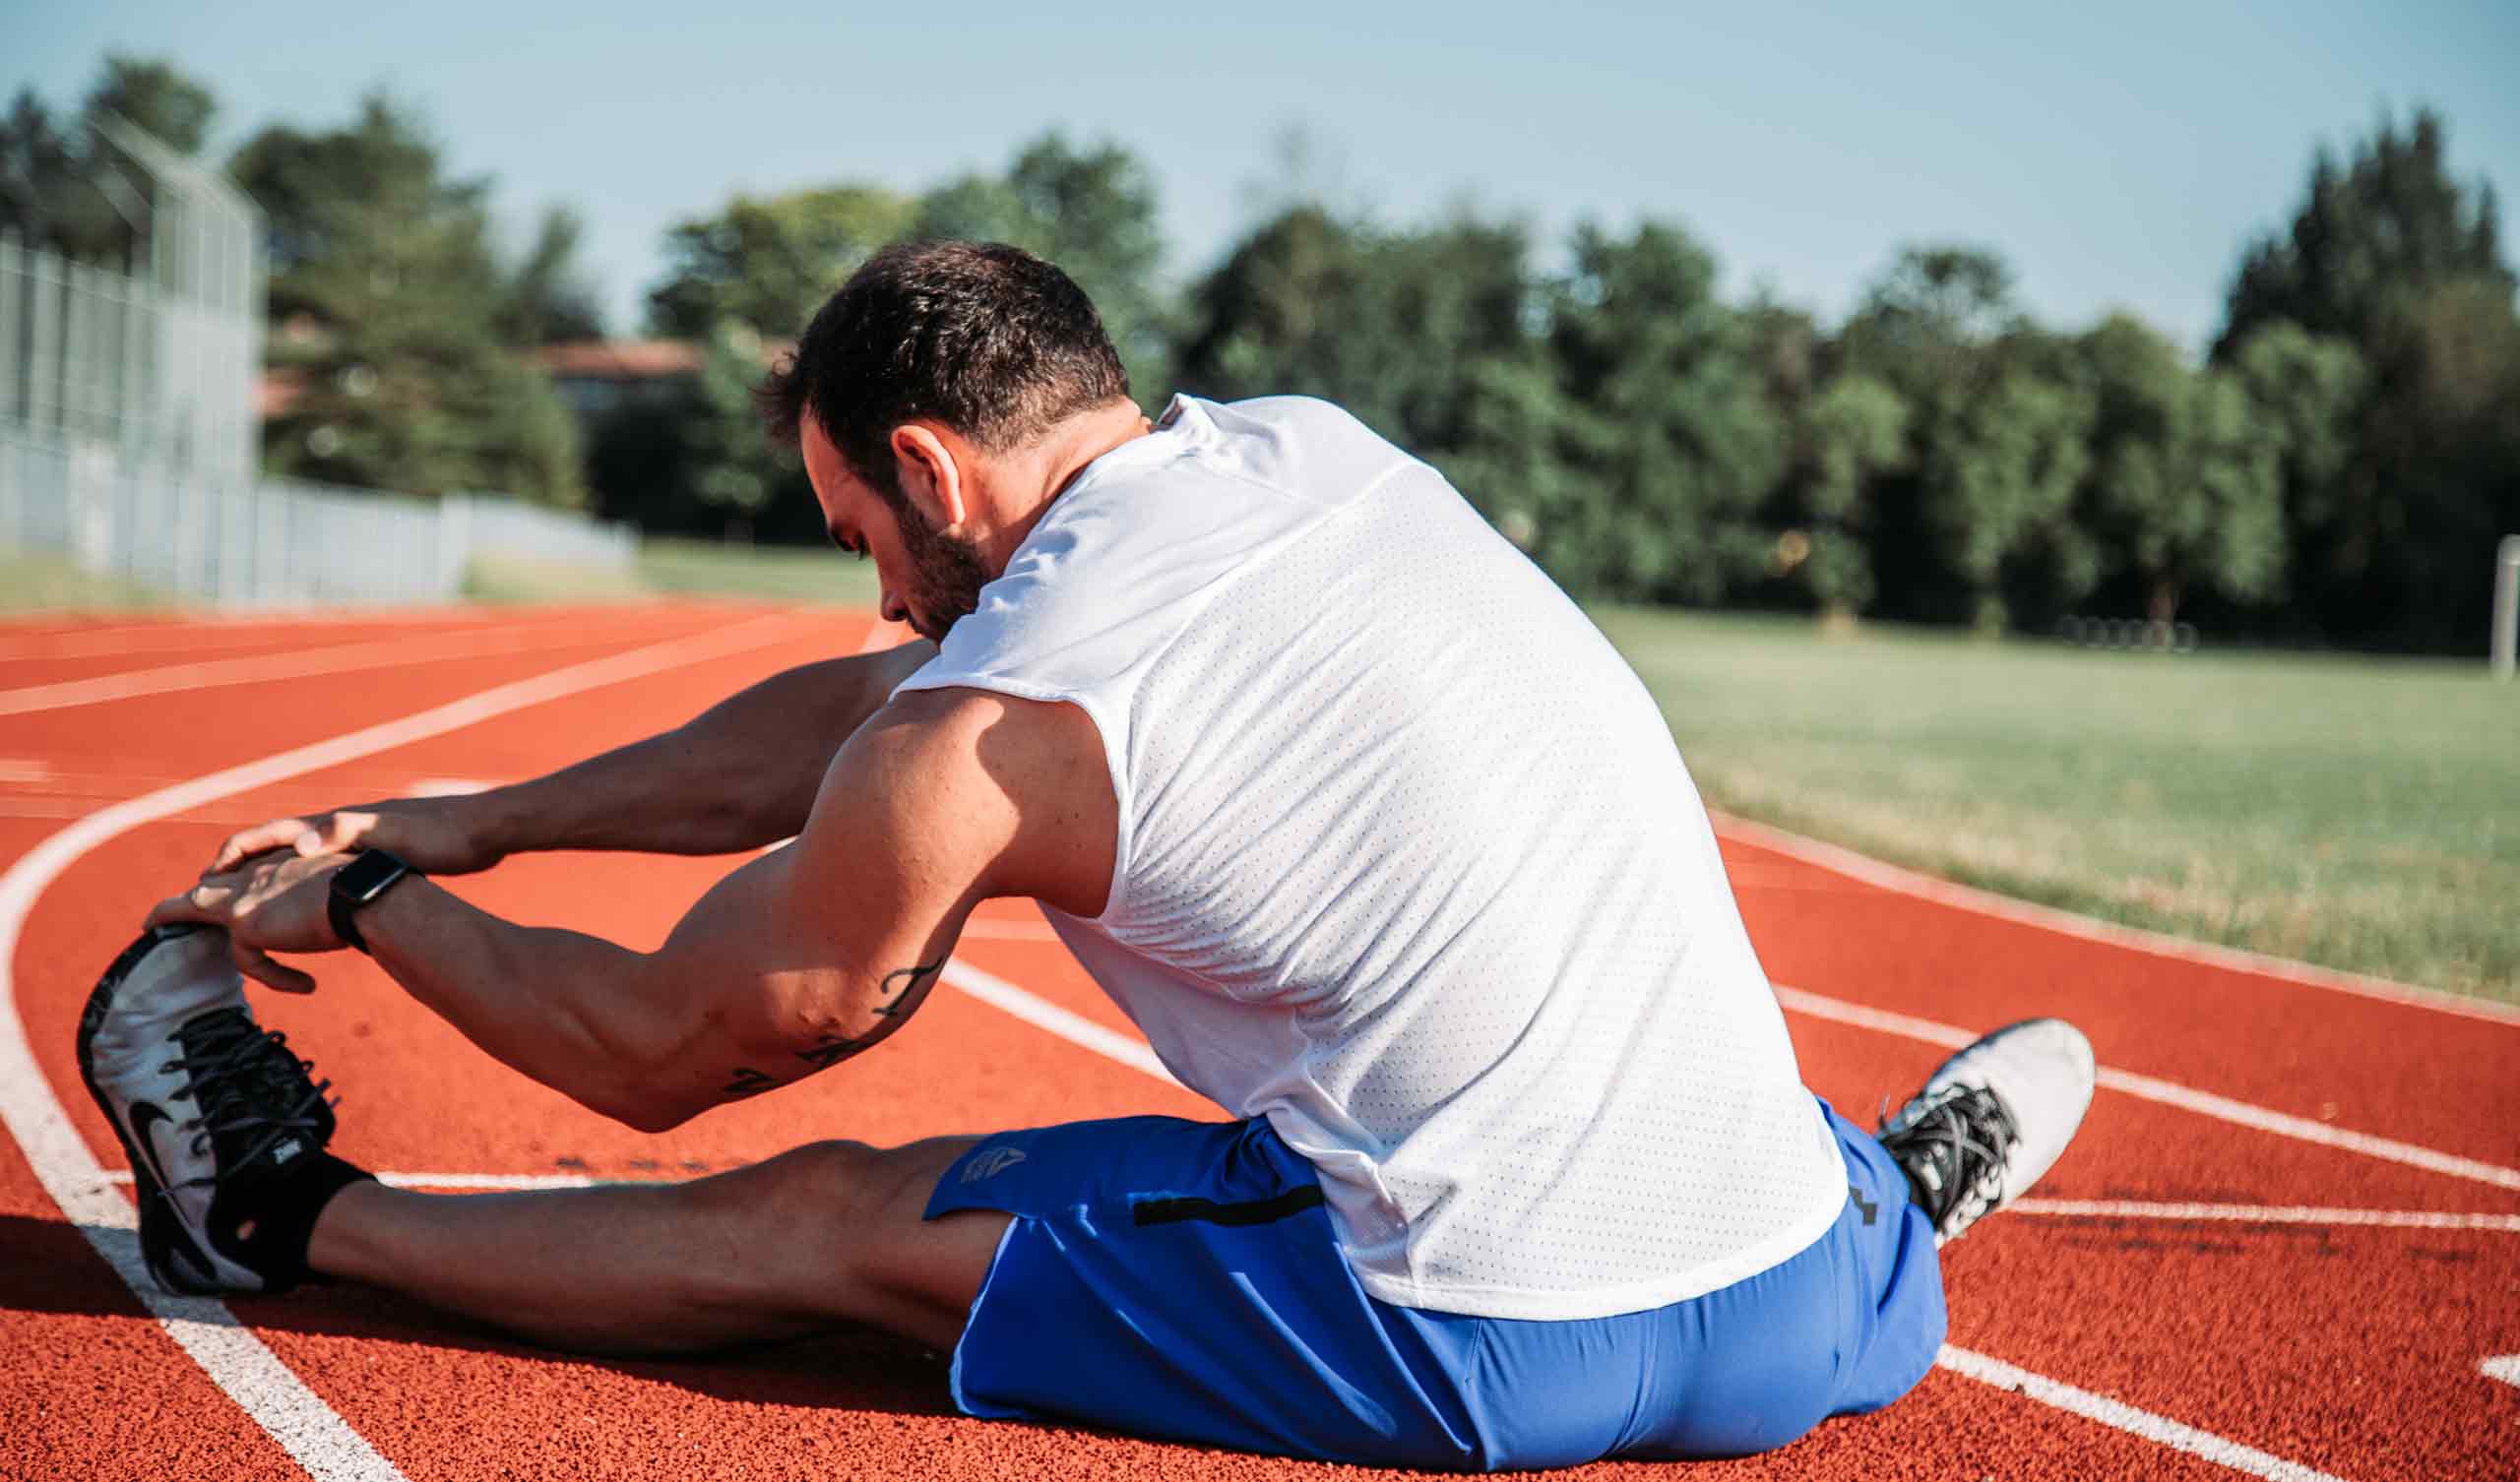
pixel 272 542
pixel 129 436
pixel 159 362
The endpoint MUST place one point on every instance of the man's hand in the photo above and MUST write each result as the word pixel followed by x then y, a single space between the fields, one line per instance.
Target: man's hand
pixel 431 834
pixel 280 904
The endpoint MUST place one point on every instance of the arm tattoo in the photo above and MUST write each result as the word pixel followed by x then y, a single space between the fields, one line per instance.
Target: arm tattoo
pixel 748 1082
pixel 900 995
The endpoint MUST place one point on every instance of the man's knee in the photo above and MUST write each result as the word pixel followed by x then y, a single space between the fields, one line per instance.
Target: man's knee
pixel 835 1229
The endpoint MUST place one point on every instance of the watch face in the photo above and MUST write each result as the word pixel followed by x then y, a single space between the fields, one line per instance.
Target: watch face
pixel 368 873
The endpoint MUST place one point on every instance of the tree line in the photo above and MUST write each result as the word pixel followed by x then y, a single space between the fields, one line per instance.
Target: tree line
pixel 2335 469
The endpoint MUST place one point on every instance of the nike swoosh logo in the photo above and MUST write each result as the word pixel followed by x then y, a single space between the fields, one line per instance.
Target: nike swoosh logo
pixel 144 1117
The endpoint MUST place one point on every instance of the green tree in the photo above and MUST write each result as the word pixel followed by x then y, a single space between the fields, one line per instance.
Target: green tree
pixel 163 102
pixel 39 167
pixel 548 298
pixel 383 272
pixel 2185 487
pixel 1997 463
pixel 1277 316
pixel 63 189
pixel 2388 227
pixel 1678 437
pixel 1847 437
pixel 2391 255
pixel 2441 451
pixel 1980 515
pixel 769 262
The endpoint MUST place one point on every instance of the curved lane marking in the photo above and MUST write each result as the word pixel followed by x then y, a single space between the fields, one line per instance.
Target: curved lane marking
pixel 2169 1093
pixel 335 658
pixel 325 1443
pixel 236 1360
pixel 2502 1366
pixel 1906 882
pixel 173 637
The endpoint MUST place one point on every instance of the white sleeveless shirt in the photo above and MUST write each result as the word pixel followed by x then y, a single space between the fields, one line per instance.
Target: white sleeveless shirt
pixel 1410 865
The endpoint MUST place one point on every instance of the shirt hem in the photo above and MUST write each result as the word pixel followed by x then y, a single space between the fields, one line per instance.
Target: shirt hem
pixel 1536 1305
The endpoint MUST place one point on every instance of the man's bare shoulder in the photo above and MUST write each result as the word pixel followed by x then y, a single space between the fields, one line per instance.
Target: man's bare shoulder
pixel 1022 783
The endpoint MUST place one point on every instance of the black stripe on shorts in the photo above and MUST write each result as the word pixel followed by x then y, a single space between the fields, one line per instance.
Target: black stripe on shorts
pixel 1258 1212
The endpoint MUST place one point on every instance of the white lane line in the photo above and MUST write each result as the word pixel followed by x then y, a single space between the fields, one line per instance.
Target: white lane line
pixel 2266 1214
pixel 1009 931
pixel 21 635
pixel 2170 1093
pixel 445 788
pixel 1890 876
pixel 2119 1415
pixel 2502 1366
pixel 258 669
pixel 1044 1014
pixel 235 1359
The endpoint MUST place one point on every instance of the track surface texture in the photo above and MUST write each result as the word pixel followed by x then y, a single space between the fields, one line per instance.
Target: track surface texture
pixel 2286 1244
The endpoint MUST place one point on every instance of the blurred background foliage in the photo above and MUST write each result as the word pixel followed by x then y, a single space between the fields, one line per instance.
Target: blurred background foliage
pixel 2332 470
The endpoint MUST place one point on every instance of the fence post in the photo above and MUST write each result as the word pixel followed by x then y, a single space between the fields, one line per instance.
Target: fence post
pixel 16 290
pixel 92 511
pixel 453 543
pixel 2506 604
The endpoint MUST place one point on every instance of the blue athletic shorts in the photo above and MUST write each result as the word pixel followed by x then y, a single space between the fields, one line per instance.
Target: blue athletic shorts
pixel 1183 1280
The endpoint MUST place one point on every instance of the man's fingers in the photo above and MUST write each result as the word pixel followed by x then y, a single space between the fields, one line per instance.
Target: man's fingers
pixel 186 907
pixel 259 966
pixel 262 838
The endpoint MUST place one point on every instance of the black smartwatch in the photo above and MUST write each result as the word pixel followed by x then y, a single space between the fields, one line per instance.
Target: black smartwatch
pixel 355 886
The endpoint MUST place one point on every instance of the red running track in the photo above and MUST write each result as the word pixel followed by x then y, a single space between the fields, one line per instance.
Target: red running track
pixel 2286 1244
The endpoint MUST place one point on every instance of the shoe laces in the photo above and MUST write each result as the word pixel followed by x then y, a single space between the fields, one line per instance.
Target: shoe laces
pixel 1954 1143
pixel 243 1079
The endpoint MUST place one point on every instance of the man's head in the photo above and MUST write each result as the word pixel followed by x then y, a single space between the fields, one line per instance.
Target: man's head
pixel 940 398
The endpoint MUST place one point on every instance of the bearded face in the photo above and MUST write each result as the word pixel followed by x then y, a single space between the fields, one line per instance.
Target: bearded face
pixel 946 574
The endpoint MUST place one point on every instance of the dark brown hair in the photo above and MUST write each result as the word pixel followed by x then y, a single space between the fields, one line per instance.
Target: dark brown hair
pixel 986 339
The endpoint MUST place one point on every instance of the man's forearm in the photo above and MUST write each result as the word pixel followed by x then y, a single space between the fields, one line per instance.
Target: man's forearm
pixel 573 1012
pixel 738 775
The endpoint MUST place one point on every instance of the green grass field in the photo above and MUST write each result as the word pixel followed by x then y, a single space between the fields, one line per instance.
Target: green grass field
pixel 29 581
pixel 796 574
pixel 2358 813
pixel 683 568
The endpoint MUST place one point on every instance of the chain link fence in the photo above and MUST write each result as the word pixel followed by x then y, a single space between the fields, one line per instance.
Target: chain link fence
pixel 129 436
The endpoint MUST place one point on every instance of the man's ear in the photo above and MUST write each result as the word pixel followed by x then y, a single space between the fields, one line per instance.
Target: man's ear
pixel 932 474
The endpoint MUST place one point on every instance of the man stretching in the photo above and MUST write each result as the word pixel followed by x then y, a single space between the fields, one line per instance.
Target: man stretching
pixel 1350 809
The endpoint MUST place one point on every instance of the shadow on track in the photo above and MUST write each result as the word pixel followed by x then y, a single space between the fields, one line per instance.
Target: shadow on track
pixel 47 1266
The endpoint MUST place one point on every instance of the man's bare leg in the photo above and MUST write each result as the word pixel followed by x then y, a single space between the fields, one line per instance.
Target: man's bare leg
pixel 824 1236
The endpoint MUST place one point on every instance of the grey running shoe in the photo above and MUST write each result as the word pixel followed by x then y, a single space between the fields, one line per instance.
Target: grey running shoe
pixel 212 1109
pixel 1992 1120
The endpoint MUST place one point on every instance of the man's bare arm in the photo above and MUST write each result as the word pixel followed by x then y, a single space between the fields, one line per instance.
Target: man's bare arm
pixel 738 775
pixel 798 960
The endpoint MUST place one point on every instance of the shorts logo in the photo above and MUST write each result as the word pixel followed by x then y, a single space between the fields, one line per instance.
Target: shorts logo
pixel 991 1163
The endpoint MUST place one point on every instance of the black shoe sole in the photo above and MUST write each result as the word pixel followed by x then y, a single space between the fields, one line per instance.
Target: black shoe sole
pixel 162 1236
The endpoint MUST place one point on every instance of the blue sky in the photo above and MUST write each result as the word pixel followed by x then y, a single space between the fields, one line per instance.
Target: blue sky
pixel 2117 156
